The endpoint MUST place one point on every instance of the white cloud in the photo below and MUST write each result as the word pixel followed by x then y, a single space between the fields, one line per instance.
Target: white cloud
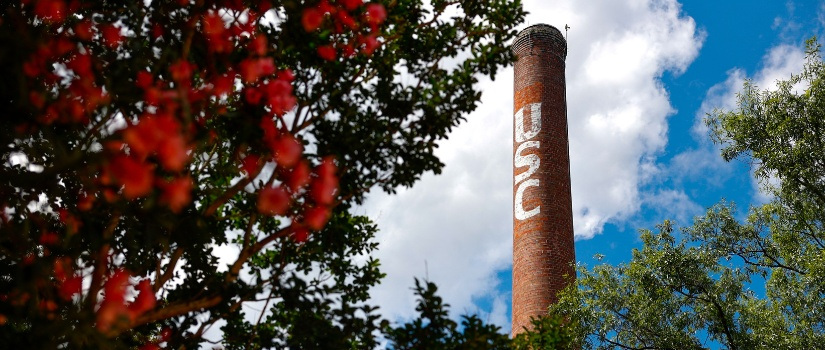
pixel 704 161
pixel 617 105
pixel 460 222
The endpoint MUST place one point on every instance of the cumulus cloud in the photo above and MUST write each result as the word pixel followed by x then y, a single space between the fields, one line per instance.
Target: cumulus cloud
pixel 703 161
pixel 460 222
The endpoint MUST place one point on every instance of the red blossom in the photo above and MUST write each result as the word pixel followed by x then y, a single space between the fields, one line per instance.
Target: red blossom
pixel 177 193
pixel 173 153
pixel 371 43
pixel 258 45
pixel 347 20
pixel 327 52
pixel 223 84
pixel 324 187
pixel 83 30
pixel 48 238
pixel 112 315
pixel 279 96
pixel 37 99
pixel 213 24
pixel 71 286
pixel 273 201
pixel 299 233
pixel 287 150
pixel 298 177
pixel 286 75
pixel 85 202
pixel 181 70
pixel 135 175
pixel 144 79
pixel 81 64
pixel 376 14
pixel 352 4
pixel 51 10
pixel 252 69
pixel 145 300
pixel 115 287
pixel 253 95
pixel 251 164
pixel 347 50
pixel 316 217
pixel 111 35
pixel 312 19
pixel 72 222
pixel 325 7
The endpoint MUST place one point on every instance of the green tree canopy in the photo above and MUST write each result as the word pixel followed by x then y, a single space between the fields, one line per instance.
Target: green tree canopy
pixel 139 136
pixel 690 288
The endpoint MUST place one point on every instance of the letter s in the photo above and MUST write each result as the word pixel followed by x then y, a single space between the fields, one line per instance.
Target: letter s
pixel 531 160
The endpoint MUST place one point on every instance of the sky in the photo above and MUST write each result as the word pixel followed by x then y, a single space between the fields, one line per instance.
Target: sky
pixel 641 76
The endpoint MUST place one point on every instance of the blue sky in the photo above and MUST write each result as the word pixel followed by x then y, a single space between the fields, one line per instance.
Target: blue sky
pixel 641 74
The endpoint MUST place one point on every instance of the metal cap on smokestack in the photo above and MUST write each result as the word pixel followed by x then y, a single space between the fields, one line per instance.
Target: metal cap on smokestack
pixel 543 253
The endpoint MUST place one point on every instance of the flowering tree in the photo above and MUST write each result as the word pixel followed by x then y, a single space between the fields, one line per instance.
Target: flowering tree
pixel 141 138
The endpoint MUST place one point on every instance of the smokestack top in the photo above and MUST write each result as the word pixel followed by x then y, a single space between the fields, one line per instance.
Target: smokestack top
pixel 540 38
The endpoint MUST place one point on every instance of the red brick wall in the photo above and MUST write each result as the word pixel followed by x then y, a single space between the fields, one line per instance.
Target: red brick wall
pixel 543 253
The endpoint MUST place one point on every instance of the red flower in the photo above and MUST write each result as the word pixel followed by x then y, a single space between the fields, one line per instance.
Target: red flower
pixel 376 14
pixel 327 52
pixel 252 69
pixel 111 35
pixel 115 287
pixel 370 44
pixel 273 201
pixel 279 96
pixel 83 30
pixel 48 238
pixel 112 315
pixel 323 188
pixel 136 176
pixel 286 75
pixel 51 10
pixel 299 233
pixel 352 4
pixel 298 177
pixel 85 202
pixel 81 64
pixel 144 79
pixel 287 150
pixel 253 95
pixel 250 164
pixel 258 45
pixel 181 70
pixel 223 84
pixel 316 217
pixel 213 24
pixel 312 19
pixel 145 300
pixel 173 152
pixel 70 287
pixel 345 19
pixel 177 193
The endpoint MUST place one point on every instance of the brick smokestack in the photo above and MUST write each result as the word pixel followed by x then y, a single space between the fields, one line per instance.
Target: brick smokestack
pixel 543 253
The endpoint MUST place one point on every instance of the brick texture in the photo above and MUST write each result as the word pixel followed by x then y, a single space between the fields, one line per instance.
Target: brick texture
pixel 543 253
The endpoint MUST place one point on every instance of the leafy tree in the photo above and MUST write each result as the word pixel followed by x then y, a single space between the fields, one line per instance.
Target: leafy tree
pixel 692 289
pixel 433 329
pixel 138 137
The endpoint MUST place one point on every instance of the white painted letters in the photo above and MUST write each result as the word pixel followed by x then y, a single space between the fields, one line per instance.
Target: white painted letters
pixel 519 208
pixel 535 123
pixel 532 161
